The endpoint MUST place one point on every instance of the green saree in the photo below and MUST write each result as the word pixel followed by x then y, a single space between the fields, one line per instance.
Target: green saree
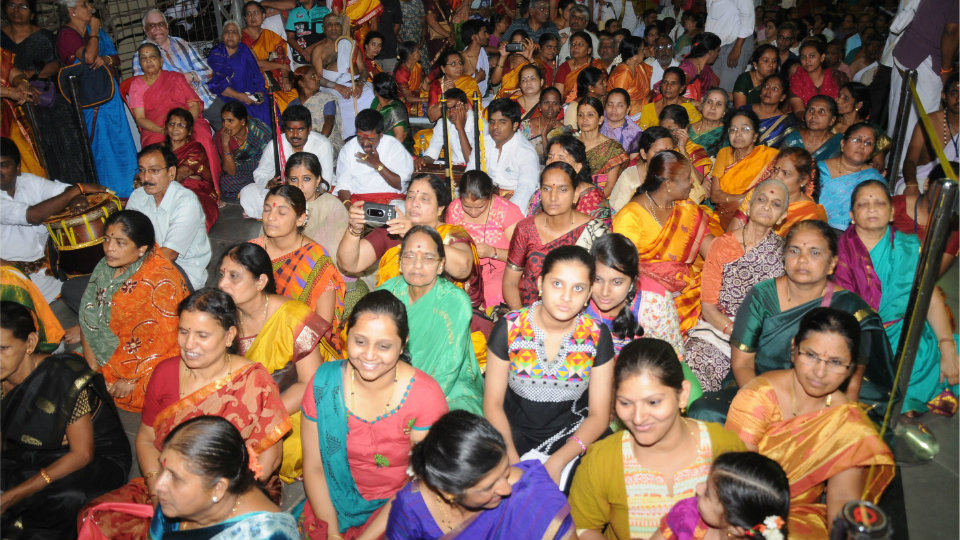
pixel 395 115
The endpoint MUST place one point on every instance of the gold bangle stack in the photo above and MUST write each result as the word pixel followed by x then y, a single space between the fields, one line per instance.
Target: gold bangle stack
pixel 45 476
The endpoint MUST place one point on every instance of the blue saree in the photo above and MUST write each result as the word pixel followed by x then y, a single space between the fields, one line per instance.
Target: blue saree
pixel 827 150
pixel 835 192
pixel 250 526
pixel 240 72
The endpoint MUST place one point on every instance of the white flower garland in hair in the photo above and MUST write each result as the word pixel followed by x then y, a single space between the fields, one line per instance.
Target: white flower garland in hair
pixel 770 530
pixel 616 61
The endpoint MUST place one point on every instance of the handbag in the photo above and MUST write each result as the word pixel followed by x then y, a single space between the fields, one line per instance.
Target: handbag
pixel 90 530
pixel 47 93
pixel 96 85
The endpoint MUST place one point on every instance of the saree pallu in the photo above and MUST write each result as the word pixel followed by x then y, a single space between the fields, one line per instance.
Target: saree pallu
pixel 775 129
pixel 291 333
pixel 465 83
pixel 570 75
pixel 711 141
pixel 670 254
pixel 240 72
pixel 884 278
pixel 360 11
pixel 247 398
pixel 603 157
pixel 835 192
pixel 536 508
pixel 649 116
pixel 797 211
pixel 250 526
pixel 266 44
pixel 15 127
pixel 830 148
pixel 413 79
pixel 130 322
pixel 15 286
pixel 395 115
pixel 440 343
pixel 200 182
pixel 637 84
pixel 811 448
pixel 246 156
pixel 510 82
pixel 738 177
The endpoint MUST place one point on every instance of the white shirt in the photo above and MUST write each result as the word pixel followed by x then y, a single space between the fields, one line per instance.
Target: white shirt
pixel 657 74
pixel 359 178
pixel 483 62
pixel 730 19
pixel 178 222
pixel 316 144
pixel 516 166
pixel 565 48
pixel 436 142
pixel 19 240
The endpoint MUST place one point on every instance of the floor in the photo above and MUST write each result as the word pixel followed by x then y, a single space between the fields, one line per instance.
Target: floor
pixel 931 490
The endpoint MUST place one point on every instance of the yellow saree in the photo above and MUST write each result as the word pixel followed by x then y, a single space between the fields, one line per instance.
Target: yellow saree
pixel 811 448
pixel 510 83
pixel 670 253
pixel 738 177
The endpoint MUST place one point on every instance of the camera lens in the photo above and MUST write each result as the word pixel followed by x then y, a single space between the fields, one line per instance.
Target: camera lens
pixel 375 212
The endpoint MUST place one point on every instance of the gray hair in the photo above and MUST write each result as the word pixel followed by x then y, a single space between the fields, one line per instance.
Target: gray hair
pixel 581 9
pixel 145 15
pixel 233 22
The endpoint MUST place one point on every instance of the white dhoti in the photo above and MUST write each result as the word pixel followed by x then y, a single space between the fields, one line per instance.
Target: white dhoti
pixel 348 109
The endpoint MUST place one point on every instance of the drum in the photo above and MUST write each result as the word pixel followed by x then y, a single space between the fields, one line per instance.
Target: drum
pixel 77 235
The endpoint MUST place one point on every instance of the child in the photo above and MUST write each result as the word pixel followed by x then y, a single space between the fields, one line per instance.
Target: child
pixel 746 495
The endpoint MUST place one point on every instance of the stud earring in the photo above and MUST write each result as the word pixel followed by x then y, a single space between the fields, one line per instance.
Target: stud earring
pixel 215 500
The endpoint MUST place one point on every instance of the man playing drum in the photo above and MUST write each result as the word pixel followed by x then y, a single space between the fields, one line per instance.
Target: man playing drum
pixel 27 200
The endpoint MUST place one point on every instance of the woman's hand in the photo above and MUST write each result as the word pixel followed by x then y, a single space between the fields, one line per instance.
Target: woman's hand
pixel 528 49
pixel 357 218
pixel 10 497
pixel 949 363
pixel 486 251
pixel 400 225
pixel 121 389
pixel 554 468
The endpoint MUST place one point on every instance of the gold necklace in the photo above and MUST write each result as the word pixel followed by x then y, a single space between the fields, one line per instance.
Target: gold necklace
pixel 786 286
pixel 793 397
pixel 654 203
pixel 266 311
pixel 224 379
pixel 445 522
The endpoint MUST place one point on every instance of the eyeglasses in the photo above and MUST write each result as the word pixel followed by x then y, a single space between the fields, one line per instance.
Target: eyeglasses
pixel 861 141
pixel 741 129
pixel 24 7
pixel 151 26
pixel 455 63
pixel 425 259
pixel 180 125
pixel 151 171
pixel 664 47
pixel 811 359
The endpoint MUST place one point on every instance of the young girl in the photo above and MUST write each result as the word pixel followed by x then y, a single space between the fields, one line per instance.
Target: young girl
pixel 747 495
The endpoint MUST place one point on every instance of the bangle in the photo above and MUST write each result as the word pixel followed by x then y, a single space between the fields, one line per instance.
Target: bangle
pixel 357 234
pixel 947 340
pixel 729 325
pixel 946 70
pixel 46 477
pixel 80 187
pixel 151 475
pixel 583 447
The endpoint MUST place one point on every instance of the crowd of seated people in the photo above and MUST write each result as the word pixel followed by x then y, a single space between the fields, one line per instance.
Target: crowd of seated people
pixel 524 271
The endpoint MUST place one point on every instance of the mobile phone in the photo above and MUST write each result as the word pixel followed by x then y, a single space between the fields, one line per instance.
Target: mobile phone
pixel 514 47
pixel 377 214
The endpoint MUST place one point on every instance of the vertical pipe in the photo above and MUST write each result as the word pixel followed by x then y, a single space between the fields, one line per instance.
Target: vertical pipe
pixel 476 131
pixel 74 87
pixel 903 114
pixel 446 142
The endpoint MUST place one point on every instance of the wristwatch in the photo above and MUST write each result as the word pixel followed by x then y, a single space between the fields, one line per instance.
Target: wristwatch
pixel 380 167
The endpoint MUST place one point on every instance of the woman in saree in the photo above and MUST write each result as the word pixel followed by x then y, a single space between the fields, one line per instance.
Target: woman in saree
pixel 581 57
pixel 15 89
pixel 879 264
pixel 591 82
pixel 267 46
pixel 708 131
pixel 605 156
pixel 241 141
pixel 451 67
pixel 550 369
pixel 676 119
pixel 193 167
pixel 324 107
pixel 590 198
pixel 736 262
pixel 490 220
pixel 153 94
pixel 394 112
pixel 629 480
pixel 207 490
pixel 432 302
pixel 81 40
pixel 670 232
pixel 362 415
pixel 652 141
pixel 770 314
pixel 506 72
pixel 203 379
pixel 632 74
pixel 800 418
pixel 531 85
pixel 544 121
pixel 671 93
pixel 704 51
pixel 372 45
pixel 793 167
pixel 326 216
pixel 560 224
pixel 466 488
pixel 16 286
pixel 813 78
pixel 54 459
pixel 237 75
pixel 276 332
pixel 410 79
pixel 853 106
pixel 749 85
pixel 816 134
pixel 127 312
pixel 739 167
pixel 302 269
pixel 840 175
pixel 775 123
pixel 617 125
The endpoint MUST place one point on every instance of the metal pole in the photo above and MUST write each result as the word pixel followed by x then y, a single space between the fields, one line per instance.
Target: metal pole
pixel 37 137
pixel 277 141
pixel 446 142
pixel 944 206
pixel 903 114
pixel 74 87
pixel 476 131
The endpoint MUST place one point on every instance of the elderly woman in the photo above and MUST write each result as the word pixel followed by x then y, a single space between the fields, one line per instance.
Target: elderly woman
pixel 708 131
pixel 775 123
pixel 193 167
pixel 362 414
pixel 581 57
pixel 269 48
pixel 237 75
pixel 801 418
pixel 817 135
pixel 465 488
pixel 206 486
pixel 241 141
pixel 840 175
pixel 433 302
pixel 736 262
pixel 54 460
pixel 152 95
pixel 127 312
pixel 205 378
pixel 544 121
pixel 81 40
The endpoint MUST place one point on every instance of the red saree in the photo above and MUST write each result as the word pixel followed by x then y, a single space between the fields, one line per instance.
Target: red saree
pixel 192 156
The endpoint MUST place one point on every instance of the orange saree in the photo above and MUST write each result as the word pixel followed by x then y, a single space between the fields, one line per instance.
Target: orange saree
pixel 811 448
pixel 510 83
pixel 15 127
pixel 570 74
pixel 636 84
pixel 797 211
pixel 738 177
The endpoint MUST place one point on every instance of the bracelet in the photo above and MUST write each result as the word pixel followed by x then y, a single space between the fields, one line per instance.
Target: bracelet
pixel 583 447
pixel 46 477
pixel 380 167
pixel 151 475
pixel 729 324
pixel 944 71
pixel 357 234
pixel 80 187
pixel 946 340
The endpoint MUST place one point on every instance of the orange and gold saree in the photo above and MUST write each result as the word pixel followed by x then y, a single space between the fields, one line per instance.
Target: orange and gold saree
pixel 15 286
pixel 15 127
pixel 637 84
pixel 266 44
pixel 738 177
pixel 412 80
pixel 570 74
pixel 670 253
pixel 510 83
pixel 811 448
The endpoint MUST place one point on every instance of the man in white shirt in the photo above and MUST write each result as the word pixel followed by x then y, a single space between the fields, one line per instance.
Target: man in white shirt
pixel 579 18
pixel 27 200
pixel 733 22
pixel 372 167
pixel 297 137
pixel 460 126
pixel 662 59
pixel 175 212
pixel 511 161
